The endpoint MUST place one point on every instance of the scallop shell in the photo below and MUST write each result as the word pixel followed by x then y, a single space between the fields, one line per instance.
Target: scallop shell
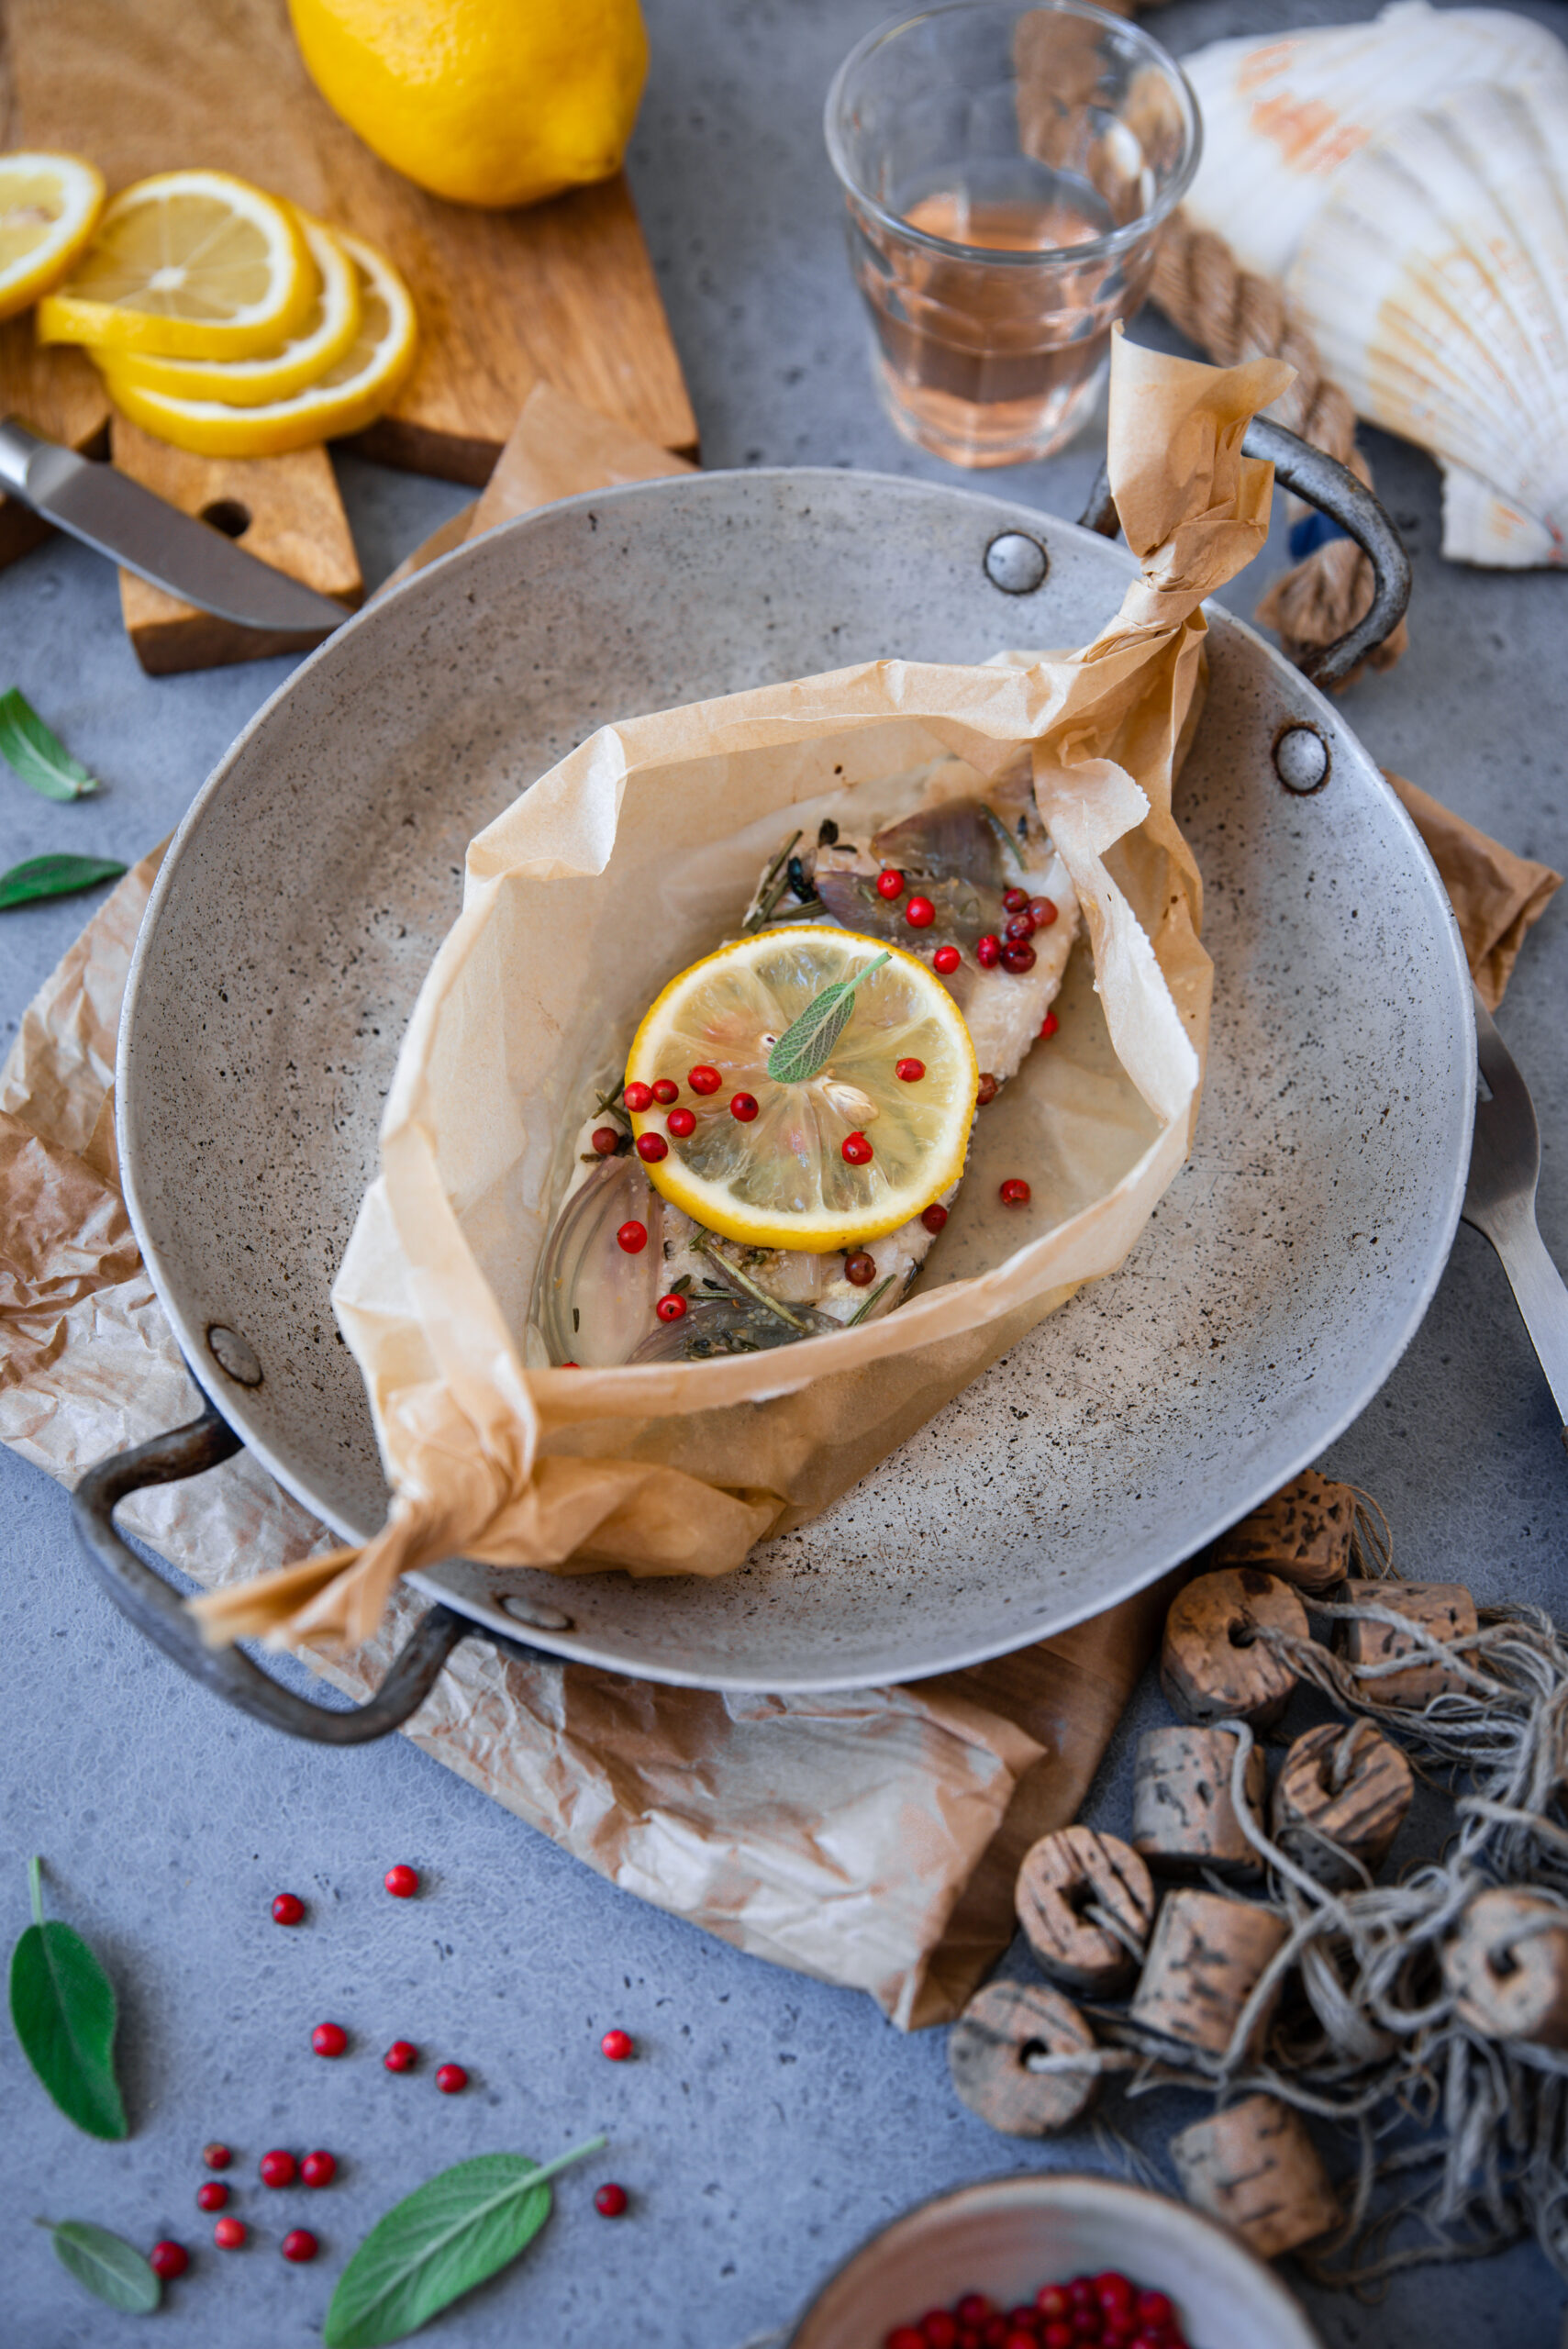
pixel 1282 117
pixel 1407 180
pixel 1435 275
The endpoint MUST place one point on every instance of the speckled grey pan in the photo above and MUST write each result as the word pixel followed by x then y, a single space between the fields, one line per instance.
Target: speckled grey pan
pixel 1277 1284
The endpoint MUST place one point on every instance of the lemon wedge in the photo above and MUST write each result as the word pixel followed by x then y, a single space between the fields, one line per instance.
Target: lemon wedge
pixel 350 395
pixel 323 336
pixel 47 207
pixel 778 1177
pixel 193 264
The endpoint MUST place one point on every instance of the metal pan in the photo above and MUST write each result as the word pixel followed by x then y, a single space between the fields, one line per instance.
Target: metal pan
pixel 320 868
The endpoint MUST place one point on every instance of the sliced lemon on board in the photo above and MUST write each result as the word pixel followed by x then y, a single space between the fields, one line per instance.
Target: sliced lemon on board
pixel 350 395
pixel 193 264
pixel 48 207
pixel 323 336
pixel 780 1179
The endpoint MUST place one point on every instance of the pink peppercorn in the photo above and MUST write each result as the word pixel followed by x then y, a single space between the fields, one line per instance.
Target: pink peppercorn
pixel 946 960
pixel 213 2196
pixel 743 1106
pixel 299 2244
pixel 988 951
pixel 401 2056
pixel 633 1237
pixel 651 1148
pixel 329 2039
pixel 168 2259
pixel 610 2201
pixel 1013 1193
pixel 934 1217
pixel 288 1909
pixel 1018 956
pixel 318 2169
pixel 665 1090
pixel 638 1097
pixel 681 1123
pixel 229 2234
pixel 450 2078
pixel 278 2169
pixel 617 2044
pixel 919 913
pixel 402 1881
pixel 1044 910
pixel 890 883
pixel 704 1079
pixel 217 2156
pixel 605 1140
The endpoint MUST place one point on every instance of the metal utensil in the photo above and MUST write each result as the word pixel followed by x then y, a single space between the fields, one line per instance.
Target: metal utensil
pixel 117 517
pixel 1499 1201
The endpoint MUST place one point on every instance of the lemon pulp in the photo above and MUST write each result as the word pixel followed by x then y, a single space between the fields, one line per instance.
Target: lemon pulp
pixel 323 336
pixel 48 207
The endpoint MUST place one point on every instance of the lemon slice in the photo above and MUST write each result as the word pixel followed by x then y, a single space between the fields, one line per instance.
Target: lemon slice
pixel 351 394
pixel 780 1179
pixel 48 207
pixel 324 335
pixel 193 264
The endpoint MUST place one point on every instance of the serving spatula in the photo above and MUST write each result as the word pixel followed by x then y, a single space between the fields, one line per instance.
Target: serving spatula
pixel 1499 1201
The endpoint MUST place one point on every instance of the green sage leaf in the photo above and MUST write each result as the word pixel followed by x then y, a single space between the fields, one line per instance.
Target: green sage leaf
pixel 806 1045
pixel 54 876
pixel 450 2234
pixel 112 2269
pixel 35 752
pixel 63 2013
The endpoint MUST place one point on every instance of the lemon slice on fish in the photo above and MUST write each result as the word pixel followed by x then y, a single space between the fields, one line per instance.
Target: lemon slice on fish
pixel 194 264
pixel 48 207
pixel 323 336
pixel 776 1174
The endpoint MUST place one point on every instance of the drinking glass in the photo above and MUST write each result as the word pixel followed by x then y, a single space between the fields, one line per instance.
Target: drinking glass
pixel 1006 169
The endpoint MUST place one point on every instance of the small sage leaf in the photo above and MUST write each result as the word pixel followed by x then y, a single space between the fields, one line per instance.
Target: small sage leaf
pixel 450 2234
pixel 806 1045
pixel 63 2013
pixel 35 752
pixel 111 2268
pixel 54 876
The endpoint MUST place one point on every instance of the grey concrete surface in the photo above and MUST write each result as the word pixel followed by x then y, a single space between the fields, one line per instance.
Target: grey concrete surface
pixel 769 2122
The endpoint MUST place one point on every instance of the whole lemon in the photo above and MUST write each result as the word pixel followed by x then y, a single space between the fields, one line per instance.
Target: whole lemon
pixel 487 102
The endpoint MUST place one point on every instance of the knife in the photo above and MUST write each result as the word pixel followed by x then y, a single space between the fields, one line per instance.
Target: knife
pixel 108 511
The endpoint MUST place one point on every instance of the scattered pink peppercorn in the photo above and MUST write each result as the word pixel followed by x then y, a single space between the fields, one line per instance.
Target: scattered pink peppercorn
pixel 212 2196
pixel 318 2169
pixel 1044 910
pixel 988 951
pixel 217 2156
pixel 278 2169
pixel 402 1882
pixel 1014 1192
pixel 1020 925
pixel 988 1088
pixel 229 2234
pixel 450 2078
pixel 946 960
pixel 860 1268
pixel 299 2244
pixel 704 1079
pixel 651 1148
pixel 890 883
pixel 671 1308
pixel 910 1072
pixel 568 1366
pixel 617 2046
pixel 904 2336
pixel 665 1090
pixel 288 1909
pixel 633 1237
pixel 855 1151
pixel 743 1106
pixel 610 2201
pixel 605 1140
pixel 919 913
pixel 1053 2303
pixel 934 1217
pixel 329 2039
pixel 1049 1024
pixel 1018 956
pixel 401 2056
pixel 938 2328
pixel 1015 900
pixel 638 1097
pixel 974 2308
pixel 168 2259
pixel 681 1123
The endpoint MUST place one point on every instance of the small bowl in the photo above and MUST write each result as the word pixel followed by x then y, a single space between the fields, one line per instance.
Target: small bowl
pixel 1009 2235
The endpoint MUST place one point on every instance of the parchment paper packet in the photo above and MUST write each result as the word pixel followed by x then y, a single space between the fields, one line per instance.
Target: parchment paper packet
pixel 624 864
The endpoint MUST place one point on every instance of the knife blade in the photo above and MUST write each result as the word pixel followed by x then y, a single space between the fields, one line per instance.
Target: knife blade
pixel 108 511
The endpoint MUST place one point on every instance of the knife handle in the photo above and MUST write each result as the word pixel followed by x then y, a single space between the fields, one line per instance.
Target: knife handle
pixel 18 447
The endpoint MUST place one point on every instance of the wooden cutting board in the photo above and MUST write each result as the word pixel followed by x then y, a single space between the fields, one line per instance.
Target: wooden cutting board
pixel 563 292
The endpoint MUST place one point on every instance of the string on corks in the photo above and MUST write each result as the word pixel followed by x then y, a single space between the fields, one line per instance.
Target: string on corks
pixel 1425 2020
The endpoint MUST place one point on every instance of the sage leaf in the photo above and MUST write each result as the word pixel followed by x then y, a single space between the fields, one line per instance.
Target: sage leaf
pixel 112 2269
pixel 63 2013
pixel 804 1048
pixel 54 876
pixel 450 2234
pixel 35 752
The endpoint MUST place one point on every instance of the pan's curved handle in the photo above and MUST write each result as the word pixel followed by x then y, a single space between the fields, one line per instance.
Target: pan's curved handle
pixel 150 1603
pixel 1334 490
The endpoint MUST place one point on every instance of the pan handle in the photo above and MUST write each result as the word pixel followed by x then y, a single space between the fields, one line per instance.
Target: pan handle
pixel 1334 490
pixel 158 1610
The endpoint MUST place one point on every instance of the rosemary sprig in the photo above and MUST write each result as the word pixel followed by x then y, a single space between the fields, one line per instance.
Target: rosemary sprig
pixel 861 1311
pixel 706 1243
pixel 611 1107
pixel 770 889
pixel 1003 834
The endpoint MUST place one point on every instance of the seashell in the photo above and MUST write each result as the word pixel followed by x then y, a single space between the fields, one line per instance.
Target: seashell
pixel 1282 117
pixel 1407 180
pixel 1435 275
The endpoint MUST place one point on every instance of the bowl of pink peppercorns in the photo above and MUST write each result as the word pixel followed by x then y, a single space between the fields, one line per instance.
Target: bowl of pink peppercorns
pixel 1053 2261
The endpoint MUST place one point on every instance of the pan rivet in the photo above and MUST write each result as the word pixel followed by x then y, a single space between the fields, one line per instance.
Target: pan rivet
pixel 1301 759
pixel 1016 563
pixel 234 1355
pixel 537 1616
